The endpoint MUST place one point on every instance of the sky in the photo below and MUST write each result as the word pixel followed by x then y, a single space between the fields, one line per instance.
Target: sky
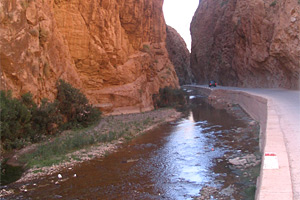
pixel 179 14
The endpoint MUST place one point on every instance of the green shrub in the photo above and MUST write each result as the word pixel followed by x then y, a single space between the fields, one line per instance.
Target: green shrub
pixel 273 3
pixel 146 48
pixel 15 121
pixel 169 97
pixel 24 121
pixel 224 3
pixel 46 119
pixel 27 100
pixel 75 107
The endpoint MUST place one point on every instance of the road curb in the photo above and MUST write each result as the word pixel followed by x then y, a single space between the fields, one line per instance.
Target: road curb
pixel 274 182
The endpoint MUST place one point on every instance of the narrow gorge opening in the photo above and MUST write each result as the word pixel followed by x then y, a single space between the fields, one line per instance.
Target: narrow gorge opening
pixel 179 14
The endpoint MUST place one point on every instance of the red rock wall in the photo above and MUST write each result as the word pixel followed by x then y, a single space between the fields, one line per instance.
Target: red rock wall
pixel 179 56
pixel 113 50
pixel 249 43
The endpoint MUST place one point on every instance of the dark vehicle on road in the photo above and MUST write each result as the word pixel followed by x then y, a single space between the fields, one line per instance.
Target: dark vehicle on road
pixel 212 83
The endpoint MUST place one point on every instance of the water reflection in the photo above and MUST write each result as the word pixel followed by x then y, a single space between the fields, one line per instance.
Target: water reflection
pixel 171 162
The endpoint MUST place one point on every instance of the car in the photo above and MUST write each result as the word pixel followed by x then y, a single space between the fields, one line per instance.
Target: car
pixel 212 83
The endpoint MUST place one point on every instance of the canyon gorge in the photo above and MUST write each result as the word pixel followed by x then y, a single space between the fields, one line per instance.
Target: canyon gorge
pixel 121 52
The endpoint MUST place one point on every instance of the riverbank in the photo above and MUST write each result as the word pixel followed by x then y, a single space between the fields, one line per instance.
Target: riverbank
pixel 116 129
pixel 221 147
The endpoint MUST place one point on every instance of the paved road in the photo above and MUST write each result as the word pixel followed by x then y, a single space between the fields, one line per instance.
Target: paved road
pixel 287 107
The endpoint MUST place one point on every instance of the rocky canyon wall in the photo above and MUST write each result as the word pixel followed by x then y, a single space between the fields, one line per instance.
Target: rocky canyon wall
pixel 113 50
pixel 179 56
pixel 249 43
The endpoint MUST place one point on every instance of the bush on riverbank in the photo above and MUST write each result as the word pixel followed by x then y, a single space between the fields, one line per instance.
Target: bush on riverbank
pixel 15 121
pixel 22 121
pixel 64 148
pixel 75 106
pixel 169 97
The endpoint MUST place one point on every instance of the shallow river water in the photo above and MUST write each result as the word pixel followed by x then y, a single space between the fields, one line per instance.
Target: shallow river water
pixel 174 161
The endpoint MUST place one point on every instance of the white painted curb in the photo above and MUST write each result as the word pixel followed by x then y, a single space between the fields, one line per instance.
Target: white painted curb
pixel 274 182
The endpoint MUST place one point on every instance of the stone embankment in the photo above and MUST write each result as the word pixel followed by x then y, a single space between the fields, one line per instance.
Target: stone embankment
pixel 275 180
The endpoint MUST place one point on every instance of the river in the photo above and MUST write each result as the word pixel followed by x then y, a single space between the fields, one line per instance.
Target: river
pixel 174 161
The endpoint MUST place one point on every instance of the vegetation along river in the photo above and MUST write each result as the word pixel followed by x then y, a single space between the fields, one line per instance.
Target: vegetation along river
pixel 208 154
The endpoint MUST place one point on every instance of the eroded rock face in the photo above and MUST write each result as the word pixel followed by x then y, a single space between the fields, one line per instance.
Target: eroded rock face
pixel 179 56
pixel 250 43
pixel 33 54
pixel 113 50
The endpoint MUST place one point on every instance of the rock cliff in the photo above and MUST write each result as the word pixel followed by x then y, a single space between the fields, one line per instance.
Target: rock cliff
pixel 113 50
pixel 249 43
pixel 179 56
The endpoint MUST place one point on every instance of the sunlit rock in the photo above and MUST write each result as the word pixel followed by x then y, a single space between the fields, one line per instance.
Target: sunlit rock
pixel 113 51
